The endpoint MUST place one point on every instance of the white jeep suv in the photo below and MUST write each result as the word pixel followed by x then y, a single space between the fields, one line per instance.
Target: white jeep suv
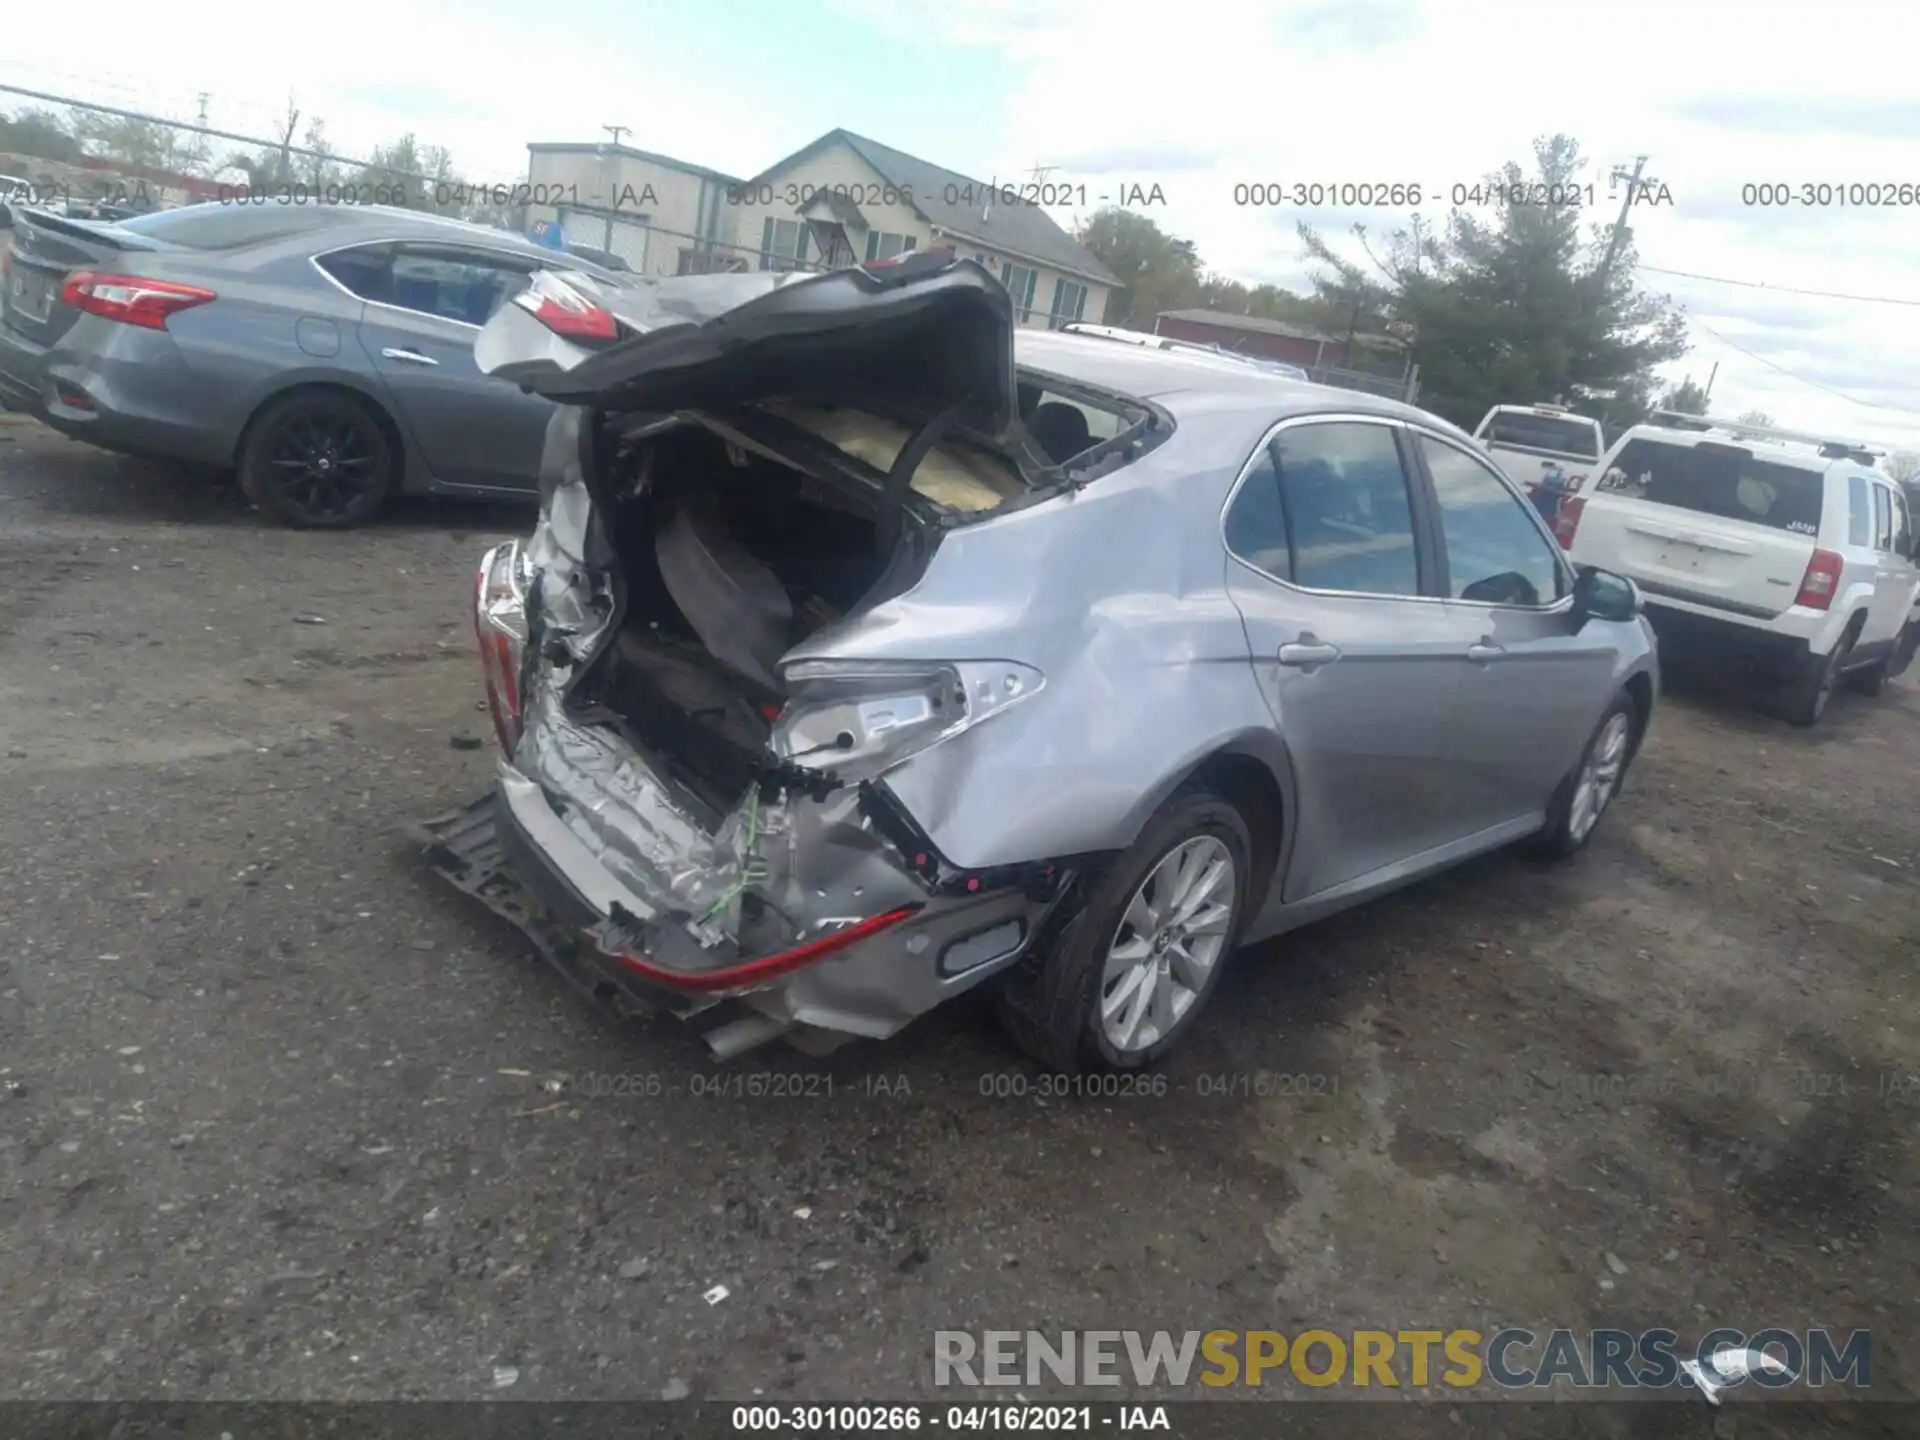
pixel 1782 550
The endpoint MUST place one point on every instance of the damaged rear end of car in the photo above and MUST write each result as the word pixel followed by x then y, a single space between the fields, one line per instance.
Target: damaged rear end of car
pixel 687 663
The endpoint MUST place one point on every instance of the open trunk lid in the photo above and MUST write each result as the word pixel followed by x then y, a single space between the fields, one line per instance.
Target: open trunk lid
pixel 1707 523
pixel 928 334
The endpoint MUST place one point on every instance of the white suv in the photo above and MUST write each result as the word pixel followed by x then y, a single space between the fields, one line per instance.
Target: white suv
pixel 1770 546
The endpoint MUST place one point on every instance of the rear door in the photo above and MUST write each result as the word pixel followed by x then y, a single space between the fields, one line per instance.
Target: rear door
pixel 1359 666
pixel 1707 523
pixel 1534 685
pixel 425 308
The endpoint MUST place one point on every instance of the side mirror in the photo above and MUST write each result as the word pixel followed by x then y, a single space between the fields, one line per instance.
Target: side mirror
pixel 1602 595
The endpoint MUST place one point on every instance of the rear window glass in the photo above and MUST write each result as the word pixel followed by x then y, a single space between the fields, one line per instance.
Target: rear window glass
pixel 1726 481
pixel 213 226
pixel 1544 432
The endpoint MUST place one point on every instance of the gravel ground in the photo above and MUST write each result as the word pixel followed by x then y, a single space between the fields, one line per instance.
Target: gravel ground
pixel 281 1117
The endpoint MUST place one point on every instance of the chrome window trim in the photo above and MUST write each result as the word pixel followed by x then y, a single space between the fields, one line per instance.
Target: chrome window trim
pixel 1253 459
pixel 1391 423
pixel 1562 564
pixel 319 255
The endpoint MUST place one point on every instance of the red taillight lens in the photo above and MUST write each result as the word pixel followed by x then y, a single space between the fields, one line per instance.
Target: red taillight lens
pixel 499 625
pixel 1821 582
pixel 573 316
pixel 1566 520
pixel 129 299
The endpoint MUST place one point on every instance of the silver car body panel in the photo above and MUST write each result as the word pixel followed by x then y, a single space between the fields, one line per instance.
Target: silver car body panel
pixel 1157 649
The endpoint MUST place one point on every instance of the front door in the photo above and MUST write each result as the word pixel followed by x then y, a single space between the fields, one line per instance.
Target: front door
pixel 473 429
pixel 1359 670
pixel 1534 686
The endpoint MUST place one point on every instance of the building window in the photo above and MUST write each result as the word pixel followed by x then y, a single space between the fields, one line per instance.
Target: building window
pixel 1069 304
pixel 783 244
pixel 881 246
pixel 1020 282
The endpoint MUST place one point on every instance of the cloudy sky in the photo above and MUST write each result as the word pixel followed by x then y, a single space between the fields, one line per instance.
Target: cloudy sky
pixel 1195 97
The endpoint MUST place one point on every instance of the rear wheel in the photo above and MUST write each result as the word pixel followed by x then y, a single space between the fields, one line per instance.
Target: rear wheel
pixel 1129 973
pixel 1805 699
pixel 318 460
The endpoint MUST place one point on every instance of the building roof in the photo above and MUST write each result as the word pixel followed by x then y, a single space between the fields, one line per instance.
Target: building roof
pixel 568 147
pixel 1021 230
pixel 1227 320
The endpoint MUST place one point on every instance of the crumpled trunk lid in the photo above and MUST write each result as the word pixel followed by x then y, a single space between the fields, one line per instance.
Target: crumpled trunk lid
pixel 925 335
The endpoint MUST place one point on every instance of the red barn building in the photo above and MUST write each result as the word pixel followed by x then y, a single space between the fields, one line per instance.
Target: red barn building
pixel 1251 335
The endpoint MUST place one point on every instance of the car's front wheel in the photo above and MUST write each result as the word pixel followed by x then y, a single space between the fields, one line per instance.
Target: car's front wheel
pixel 1126 977
pixel 1588 789
pixel 318 460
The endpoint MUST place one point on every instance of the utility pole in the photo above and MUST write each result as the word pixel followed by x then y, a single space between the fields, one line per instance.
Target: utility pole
pixel 1707 394
pixel 1634 182
pixel 606 186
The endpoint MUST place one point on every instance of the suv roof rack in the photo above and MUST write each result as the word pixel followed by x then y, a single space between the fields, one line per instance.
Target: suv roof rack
pixel 1830 448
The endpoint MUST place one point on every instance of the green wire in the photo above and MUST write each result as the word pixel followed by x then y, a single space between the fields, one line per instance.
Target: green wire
pixel 753 840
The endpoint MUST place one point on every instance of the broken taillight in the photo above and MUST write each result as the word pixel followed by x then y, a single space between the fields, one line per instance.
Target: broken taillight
pixel 500 626
pixel 568 313
pixel 129 299
pixel 1822 580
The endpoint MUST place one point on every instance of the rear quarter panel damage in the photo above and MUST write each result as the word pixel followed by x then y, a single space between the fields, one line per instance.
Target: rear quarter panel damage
pixel 1116 594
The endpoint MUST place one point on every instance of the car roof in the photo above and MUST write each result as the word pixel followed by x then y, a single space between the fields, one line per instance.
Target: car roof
pixel 1191 381
pixel 347 224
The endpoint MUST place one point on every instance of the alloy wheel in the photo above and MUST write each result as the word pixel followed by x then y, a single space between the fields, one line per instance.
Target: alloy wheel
pixel 323 463
pixel 1171 935
pixel 1599 776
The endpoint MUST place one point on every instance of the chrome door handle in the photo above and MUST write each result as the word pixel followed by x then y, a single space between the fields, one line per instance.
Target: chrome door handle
pixel 410 357
pixel 1308 653
pixel 1480 652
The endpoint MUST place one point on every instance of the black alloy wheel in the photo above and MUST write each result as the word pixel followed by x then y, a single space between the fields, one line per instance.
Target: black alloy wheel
pixel 318 461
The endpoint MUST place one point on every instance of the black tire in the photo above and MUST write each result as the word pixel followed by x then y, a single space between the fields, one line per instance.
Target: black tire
pixel 1872 679
pixel 1805 698
pixel 1569 827
pixel 1049 1004
pixel 319 460
pixel 1904 649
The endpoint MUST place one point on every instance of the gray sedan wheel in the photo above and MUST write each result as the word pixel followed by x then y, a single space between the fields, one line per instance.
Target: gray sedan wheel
pixel 318 460
pixel 1125 977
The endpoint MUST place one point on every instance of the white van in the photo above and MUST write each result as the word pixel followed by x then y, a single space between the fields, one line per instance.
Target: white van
pixel 1547 450
pixel 1787 551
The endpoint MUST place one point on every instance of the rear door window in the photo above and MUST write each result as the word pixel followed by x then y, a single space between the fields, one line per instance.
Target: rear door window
pixel 1348 514
pixel 1725 481
pixel 465 286
pixel 1543 432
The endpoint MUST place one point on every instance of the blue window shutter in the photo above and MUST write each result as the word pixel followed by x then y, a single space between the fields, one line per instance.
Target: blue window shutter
pixel 1080 303
pixel 766 243
pixel 800 240
pixel 907 243
pixel 873 245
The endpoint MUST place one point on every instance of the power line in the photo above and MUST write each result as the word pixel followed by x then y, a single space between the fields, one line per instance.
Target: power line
pixel 1815 384
pixel 1780 289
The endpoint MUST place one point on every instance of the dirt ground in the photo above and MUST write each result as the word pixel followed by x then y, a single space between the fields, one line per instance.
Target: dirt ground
pixel 280 1117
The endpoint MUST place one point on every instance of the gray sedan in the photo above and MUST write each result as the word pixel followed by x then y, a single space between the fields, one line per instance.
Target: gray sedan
pixel 866 652
pixel 325 352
